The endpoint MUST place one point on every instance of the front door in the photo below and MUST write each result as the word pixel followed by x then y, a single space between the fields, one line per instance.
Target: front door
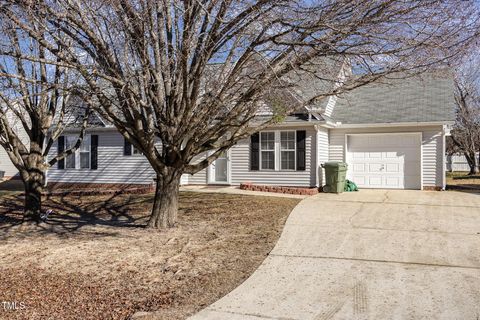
pixel 219 169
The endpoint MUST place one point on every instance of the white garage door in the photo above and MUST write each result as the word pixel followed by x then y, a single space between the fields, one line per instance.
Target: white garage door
pixel 385 160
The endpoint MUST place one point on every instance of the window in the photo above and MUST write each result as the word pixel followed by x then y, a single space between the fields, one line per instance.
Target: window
pixel 287 150
pixel 84 152
pixel 280 150
pixel 70 159
pixel 80 159
pixel 267 150
pixel 129 149
pixel 135 150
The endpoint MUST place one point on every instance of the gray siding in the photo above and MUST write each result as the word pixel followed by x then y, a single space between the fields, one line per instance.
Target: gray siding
pixel 5 163
pixel 330 105
pixel 240 165
pixel 432 149
pixel 323 153
pixel 199 177
pixel 113 166
pixel 458 162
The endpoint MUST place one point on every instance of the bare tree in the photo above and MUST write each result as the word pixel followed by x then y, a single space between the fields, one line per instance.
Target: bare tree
pixel 34 96
pixel 466 132
pixel 193 74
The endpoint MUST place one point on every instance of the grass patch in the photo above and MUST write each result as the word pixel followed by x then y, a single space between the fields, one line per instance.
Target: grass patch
pixel 4 193
pixel 93 259
pixel 461 180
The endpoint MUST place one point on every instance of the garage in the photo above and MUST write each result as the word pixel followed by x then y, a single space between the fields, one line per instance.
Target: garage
pixel 385 160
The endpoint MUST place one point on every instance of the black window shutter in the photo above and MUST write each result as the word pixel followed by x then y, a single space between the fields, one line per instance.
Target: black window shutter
pixel 127 147
pixel 60 149
pixel 93 152
pixel 301 135
pixel 254 151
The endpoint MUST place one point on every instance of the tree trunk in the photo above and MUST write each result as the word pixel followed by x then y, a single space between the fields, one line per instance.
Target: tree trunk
pixel 475 164
pixel 472 161
pixel 33 196
pixel 165 206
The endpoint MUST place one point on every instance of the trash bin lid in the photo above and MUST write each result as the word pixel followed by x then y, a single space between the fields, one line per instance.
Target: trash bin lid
pixel 335 164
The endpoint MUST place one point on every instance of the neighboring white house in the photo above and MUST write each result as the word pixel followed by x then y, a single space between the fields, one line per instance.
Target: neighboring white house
pixel 391 135
pixel 9 171
pixel 458 162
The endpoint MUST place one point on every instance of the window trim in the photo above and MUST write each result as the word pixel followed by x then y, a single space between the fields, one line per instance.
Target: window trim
pixel 290 150
pixel 277 151
pixel 133 154
pixel 260 150
pixel 77 152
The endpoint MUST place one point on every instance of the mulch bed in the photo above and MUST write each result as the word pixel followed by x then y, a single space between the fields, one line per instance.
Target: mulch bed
pixel 279 189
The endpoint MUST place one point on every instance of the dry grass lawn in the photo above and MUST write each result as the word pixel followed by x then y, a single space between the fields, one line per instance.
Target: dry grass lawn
pixel 459 179
pixel 94 260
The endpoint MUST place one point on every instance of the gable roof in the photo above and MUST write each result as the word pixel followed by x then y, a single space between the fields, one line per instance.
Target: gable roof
pixel 316 78
pixel 428 98
pixel 76 111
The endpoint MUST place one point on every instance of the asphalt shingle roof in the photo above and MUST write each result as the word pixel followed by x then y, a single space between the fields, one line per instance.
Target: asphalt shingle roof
pixel 418 99
pixel 76 111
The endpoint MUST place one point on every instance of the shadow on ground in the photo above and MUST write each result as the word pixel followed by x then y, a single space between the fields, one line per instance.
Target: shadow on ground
pixel 102 215
pixel 9 186
pixel 71 213
pixel 465 187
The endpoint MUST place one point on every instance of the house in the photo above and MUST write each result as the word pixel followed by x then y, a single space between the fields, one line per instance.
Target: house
pixel 391 135
pixel 7 168
pixel 458 162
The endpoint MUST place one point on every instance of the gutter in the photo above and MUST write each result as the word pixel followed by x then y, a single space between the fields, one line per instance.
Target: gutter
pixel 329 124
pixel 393 124
pixel 95 129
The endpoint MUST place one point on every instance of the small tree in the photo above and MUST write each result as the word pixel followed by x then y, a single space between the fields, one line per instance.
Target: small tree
pixel 466 132
pixel 194 74
pixel 34 100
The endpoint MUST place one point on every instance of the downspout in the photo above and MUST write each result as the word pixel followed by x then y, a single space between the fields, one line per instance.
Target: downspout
pixel 444 163
pixel 317 151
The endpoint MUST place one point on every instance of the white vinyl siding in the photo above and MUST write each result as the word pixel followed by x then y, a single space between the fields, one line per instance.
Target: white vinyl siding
pixel 6 164
pixel 332 100
pixel 458 162
pixel 433 170
pixel 432 165
pixel 113 166
pixel 240 165
pixel 323 152
pixel 199 177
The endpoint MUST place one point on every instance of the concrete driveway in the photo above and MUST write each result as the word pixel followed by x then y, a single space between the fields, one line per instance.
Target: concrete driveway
pixel 373 254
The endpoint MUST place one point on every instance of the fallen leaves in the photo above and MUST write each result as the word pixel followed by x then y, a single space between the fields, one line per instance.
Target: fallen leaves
pixel 94 260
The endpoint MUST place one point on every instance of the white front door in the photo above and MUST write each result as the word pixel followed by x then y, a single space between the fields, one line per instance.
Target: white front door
pixel 385 160
pixel 219 170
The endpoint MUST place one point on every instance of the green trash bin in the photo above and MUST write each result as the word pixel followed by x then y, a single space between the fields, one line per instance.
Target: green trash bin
pixel 335 174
